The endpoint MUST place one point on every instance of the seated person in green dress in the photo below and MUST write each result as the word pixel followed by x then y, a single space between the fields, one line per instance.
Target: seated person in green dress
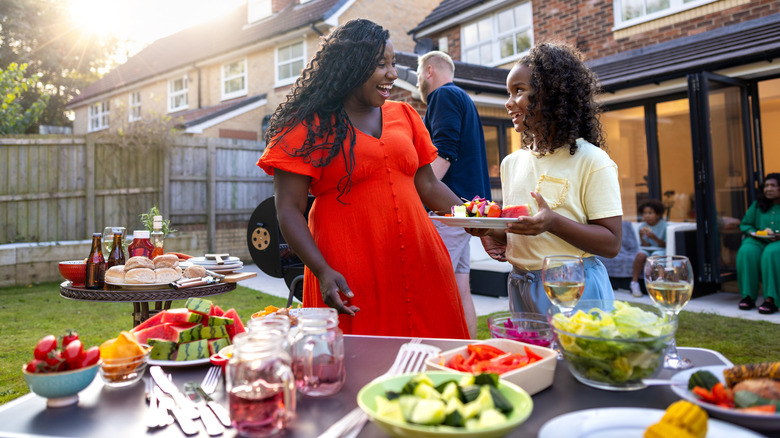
pixel 758 258
pixel 652 239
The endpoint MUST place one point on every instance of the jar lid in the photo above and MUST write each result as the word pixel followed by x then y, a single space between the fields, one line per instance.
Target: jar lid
pixel 140 234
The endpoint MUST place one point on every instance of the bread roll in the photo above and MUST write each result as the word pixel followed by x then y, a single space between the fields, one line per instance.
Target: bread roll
pixel 195 271
pixel 167 275
pixel 140 276
pixel 166 261
pixel 116 274
pixel 139 262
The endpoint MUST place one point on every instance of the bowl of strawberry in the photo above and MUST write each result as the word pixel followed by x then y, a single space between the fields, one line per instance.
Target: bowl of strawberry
pixel 61 368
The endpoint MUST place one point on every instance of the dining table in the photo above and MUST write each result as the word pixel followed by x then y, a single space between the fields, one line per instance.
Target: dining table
pixel 120 412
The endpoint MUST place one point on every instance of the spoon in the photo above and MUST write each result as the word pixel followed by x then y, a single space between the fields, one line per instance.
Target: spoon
pixel 662 382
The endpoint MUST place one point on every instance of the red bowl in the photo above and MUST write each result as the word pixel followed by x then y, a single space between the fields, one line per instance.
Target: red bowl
pixel 75 271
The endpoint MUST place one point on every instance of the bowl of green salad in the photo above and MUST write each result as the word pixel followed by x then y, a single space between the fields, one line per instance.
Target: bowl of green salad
pixel 612 345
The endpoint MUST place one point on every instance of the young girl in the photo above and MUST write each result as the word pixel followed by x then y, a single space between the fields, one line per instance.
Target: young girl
pixel 370 250
pixel 562 170
pixel 652 238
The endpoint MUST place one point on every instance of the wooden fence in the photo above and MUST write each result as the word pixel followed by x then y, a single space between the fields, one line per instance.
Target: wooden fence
pixel 55 188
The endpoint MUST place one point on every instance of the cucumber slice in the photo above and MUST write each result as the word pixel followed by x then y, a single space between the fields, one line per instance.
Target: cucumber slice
pixel 389 409
pixel 429 412
pixel 499 401
pixel 451 391
pixel 426 391
pixel 490 418
pixel 408 403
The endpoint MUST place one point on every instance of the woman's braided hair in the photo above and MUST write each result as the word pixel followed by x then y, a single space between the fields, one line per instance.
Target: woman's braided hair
pixel 564 91
pixel 346 59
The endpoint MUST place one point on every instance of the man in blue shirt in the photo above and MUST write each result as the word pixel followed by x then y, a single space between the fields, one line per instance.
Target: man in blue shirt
pixel 456 131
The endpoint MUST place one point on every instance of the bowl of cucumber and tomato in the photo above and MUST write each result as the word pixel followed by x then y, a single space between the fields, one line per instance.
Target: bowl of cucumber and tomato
pixel 442 404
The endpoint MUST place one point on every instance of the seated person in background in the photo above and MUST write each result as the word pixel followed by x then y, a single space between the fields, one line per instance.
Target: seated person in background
pixel 652 239
pixel 621 267
pixel 758 258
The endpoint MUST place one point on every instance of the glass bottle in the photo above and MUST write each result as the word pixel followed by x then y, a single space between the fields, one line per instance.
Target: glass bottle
pixel 96 264
pixel 318 353
pixel 260 386
pixel 141 246
pixel 117 254
pixel 157 237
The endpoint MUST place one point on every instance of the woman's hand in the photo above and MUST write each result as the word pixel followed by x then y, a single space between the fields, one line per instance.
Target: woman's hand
pixel 495 248
pixel 332 285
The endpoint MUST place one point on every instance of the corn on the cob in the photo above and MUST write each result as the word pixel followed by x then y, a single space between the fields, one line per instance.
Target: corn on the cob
pixel 688 416
pixel 766 370
pixel 666 430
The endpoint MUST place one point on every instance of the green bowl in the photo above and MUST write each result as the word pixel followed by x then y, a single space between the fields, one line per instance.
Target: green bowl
pixel 367 401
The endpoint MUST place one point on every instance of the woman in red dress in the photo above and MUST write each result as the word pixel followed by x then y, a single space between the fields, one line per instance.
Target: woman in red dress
pixel 370 249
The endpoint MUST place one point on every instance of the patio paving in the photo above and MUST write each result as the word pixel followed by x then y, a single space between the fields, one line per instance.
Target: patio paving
pixel 722 303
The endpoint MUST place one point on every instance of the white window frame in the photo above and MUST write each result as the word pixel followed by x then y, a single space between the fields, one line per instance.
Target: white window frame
pixel 174 94
pixel 290 79
pixel 226 78
pixel 675 6
pixel 258 9
pixel 491 44
pixel 134 107
pixel 99 113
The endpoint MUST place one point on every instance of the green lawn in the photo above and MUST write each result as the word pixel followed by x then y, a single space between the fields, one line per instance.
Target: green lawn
pixel 29 313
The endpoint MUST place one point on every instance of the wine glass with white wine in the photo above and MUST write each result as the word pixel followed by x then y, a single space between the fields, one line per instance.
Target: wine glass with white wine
pixel 563 277
pixel 669 282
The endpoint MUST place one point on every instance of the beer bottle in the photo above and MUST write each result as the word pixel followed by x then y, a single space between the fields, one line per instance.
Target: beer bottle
pixel 117 254
pixel 96 264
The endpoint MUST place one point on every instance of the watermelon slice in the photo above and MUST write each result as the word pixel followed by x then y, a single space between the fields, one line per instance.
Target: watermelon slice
pixel 199 305
pixel 153 320
pixel 180 315
pixel 237 326
pixel 217 331
pixel 216 311
pixel 217 344
pixel 513 211
pixel 198 349
pixel 156 331
pixel 162 349
pixel 218 320
pixel 182 332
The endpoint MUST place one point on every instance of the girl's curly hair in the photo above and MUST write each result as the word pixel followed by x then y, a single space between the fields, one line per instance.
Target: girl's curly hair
pixel 564 92
pixel 346 59
pixel 762 201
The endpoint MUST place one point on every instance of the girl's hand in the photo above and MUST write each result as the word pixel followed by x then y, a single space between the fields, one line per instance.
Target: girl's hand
pixel 332 285
pixel 536 224
pixel 495 248
pixel 479 232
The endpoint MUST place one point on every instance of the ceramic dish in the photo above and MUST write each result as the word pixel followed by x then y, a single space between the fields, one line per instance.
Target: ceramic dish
pixel 178 363
pixel 149 286
pixel 758 236
pixel 755 421
pixel 523 405
pixel 532 378
pixel 203 261
pixel 625 423
pixel 475 222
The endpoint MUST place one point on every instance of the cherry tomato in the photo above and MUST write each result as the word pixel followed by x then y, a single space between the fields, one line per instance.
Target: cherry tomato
pixel 72 354
pixel 46 345
pixel 91 356
pixel 54 359
pixel 35 366
pixel 69 337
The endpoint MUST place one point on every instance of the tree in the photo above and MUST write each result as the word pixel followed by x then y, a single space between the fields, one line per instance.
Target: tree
pixel 41 34
pixel 14 118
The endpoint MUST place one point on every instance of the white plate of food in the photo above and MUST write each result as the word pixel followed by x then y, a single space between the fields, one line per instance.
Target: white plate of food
pixel 145 286
pixel 625 423
pixel 754 420
pixel 764 236
pixel 475 222
pixel 203 261
pixel 178 363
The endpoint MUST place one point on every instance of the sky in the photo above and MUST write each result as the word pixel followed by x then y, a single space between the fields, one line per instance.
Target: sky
pixel 140 22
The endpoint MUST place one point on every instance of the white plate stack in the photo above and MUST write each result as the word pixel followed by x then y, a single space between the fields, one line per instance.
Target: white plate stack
pixel 229 264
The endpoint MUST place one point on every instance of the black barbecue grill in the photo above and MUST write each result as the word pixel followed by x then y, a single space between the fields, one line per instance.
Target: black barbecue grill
pixel 270 251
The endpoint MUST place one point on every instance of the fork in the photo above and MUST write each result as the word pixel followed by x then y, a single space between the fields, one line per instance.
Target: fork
pixel 410 359
pixel 208 386
pixel 209 383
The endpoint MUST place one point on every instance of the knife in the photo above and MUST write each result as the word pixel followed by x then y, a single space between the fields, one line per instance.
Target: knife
pixel 222 414
pixel 213 425
pixel 185 404
pixel 186 424
pixel 194 282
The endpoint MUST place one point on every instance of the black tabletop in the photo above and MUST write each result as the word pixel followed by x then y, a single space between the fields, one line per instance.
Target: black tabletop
pixel 120 412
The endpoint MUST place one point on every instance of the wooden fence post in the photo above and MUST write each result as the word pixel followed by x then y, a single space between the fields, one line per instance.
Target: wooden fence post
pixel 89 186
pixel 211 193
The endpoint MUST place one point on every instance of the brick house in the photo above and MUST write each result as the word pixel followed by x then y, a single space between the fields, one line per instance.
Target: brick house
pixel 222 78
pixel 690 91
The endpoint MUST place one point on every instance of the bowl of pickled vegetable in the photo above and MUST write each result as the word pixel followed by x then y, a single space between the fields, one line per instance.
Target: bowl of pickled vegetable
pixel 441 404
pixel 612 345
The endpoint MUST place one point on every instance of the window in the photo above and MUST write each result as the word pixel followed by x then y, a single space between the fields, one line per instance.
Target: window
pixel 498 38
pixel 289 62
pixel 258 9
pixel 630 12
pixel 177 94
pixel 98 116
pixel 135 106
pixel 234 79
